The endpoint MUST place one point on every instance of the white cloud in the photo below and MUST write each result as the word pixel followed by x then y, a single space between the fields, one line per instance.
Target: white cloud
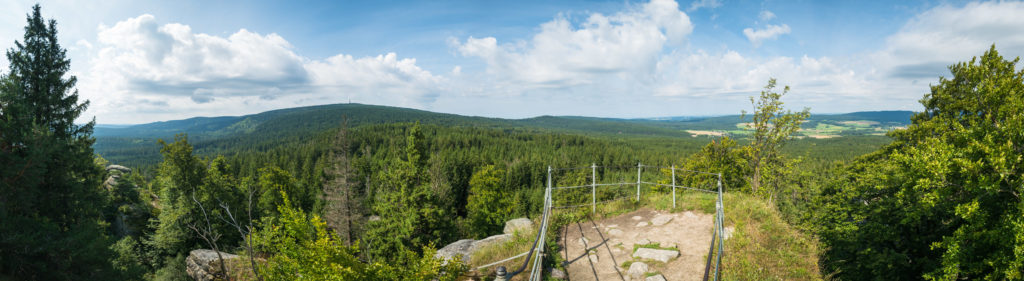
pixel 732 75
pixel 563 54
pixel 769 32
pixel 145 67
pixel 945 35
pixel 372 76
pixel 711 4
pixel 766 15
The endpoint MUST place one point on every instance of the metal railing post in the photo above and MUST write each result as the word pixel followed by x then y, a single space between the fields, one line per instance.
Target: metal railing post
pixel 673 186
pixel 593 188
pixel 721 229
pixel 501 272
pixel 638 168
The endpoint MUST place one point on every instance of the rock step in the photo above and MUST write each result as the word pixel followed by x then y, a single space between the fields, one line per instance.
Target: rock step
pixel 655 254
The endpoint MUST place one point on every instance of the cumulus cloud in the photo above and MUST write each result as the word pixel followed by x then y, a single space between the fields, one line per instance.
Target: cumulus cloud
pixel 562 64
pixel 766 15
pixel 141 62
pixel 757 36
pixel 711 4
pixel 944 35
pixel 383 74
pixel 564 54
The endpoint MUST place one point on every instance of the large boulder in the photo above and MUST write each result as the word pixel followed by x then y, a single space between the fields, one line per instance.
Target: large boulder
pixel 655 254
pixel 460 249
pixel 465 248
pixel 120 168
pixel 204 265
pixel 496 239
pixel 517 224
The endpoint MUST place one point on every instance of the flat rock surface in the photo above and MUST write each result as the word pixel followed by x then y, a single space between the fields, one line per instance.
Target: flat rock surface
pixel 690 232
pixel 638 269
pixel 658 277
pixel 661 219
pixel 655 254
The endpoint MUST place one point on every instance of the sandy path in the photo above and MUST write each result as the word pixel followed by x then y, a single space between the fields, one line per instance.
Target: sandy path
pixel 611 242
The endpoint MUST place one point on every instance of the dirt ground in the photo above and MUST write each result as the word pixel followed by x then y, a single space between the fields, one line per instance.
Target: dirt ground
pixel 611 242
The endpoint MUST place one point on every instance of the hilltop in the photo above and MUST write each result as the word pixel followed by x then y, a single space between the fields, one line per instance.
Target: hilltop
pixel 137 144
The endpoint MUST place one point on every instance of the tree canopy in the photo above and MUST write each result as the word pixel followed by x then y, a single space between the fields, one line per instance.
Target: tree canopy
pixel 943 201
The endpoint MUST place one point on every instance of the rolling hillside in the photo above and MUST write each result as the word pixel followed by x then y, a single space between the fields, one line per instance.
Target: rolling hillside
pixel 267 129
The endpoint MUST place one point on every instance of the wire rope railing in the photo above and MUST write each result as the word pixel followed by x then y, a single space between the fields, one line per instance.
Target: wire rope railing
pixel 536 254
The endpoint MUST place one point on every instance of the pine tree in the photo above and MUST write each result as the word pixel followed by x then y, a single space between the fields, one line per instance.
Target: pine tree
pixel 51 202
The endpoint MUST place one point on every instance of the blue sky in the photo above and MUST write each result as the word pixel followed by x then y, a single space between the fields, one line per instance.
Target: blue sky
pixel 144 61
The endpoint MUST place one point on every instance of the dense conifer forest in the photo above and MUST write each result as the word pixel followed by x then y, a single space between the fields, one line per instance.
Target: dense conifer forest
pixel 362 192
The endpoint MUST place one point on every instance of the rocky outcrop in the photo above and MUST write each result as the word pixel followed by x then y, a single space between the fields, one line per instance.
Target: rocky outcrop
pixel 517 225
pixel 115 173
pixel 204 265
pixel 459 249
pixel 465 248
pixel 119 168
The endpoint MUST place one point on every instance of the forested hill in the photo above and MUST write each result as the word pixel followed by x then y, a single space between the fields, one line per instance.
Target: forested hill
pixel 321 117
pixel 137 144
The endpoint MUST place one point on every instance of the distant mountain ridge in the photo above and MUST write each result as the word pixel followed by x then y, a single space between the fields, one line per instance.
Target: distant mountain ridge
pixel 136 144
pixel 322 117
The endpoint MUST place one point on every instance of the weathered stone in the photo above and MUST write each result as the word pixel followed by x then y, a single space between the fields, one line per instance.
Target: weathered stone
pixel 615 232
pixel 373 218
pixel 514 225
pixel 661 219
pixel 636 218
pixel 120 168
pixel 495 239
pixel 641 224
pixel 643 241
pixel 593 258
pixel 727 232
pixel 465 248
pixel 658 277
pixel 655 254
pixel 637 269
pixel 459 249
pixel 558 274
pixel 204 264
pixel 689 214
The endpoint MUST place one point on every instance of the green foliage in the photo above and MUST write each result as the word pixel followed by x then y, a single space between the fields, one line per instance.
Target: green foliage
pixel 179 176
pixel 274 181
pixel 723 156
pixel 773 127
pixel 51 204
pixel 410 216
pixel 489 204
pixel 302 249
pixel 942 202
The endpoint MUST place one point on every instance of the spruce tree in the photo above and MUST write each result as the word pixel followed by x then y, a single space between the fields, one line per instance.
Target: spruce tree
pixel 50 193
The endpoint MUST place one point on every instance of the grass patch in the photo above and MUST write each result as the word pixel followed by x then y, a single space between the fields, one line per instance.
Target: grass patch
pixel 521 242
pixel 654 245
pixel 763 246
